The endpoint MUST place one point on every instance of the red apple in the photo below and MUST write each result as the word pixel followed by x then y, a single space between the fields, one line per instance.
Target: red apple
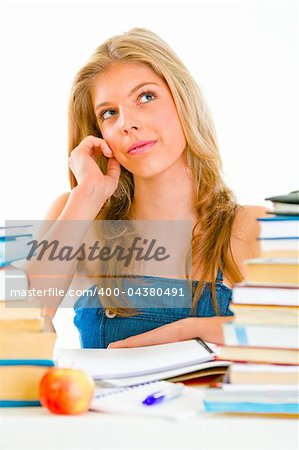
pixel 66 391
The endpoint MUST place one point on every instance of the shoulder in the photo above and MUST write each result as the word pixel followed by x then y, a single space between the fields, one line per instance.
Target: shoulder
pixel 245 231
pixel 57 206
pixel 52 214
pixel 246 219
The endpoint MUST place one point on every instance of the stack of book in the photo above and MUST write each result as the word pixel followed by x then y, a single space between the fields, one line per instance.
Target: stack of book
pixel 14 243
pixel 27 338
pixel 262 340
pixel 26 352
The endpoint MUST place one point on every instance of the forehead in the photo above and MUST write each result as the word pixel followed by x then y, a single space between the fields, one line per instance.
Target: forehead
pixel 120 79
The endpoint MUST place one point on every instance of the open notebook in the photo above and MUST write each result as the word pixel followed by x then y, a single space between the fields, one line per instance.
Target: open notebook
pixel 130 366
pixel 128 400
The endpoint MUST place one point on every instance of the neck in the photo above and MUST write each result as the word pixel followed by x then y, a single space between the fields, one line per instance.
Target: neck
pixel 167 196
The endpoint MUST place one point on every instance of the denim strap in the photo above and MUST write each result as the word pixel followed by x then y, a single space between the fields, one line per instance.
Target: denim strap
pixel 219 276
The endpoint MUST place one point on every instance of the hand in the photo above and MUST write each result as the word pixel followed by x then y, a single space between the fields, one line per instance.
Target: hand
pixel 82 163
pixel 207 328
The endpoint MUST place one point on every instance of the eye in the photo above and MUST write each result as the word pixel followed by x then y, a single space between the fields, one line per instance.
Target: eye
pixel 147 94
pixel 104 115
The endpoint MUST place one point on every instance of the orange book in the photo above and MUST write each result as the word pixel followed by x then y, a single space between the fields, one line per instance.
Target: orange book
pixel 17 318
pixel 265 314
pixel 258 354
pixel 272 271
pixel 28 344
pixel 19 381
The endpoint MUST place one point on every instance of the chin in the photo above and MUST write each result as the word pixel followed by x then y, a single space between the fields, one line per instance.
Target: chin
pixel 148 173
pixel 147 168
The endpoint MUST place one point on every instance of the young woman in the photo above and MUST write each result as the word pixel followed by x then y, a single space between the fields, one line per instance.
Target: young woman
pixel 142 147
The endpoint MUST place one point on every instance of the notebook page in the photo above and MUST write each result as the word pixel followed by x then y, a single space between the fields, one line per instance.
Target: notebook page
pixel 130 381
pixel 126 362
pixel 129 401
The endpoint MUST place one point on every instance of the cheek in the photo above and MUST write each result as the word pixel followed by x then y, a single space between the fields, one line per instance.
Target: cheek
pixel 109 135
pixel 168 118
pixel 165 117
pixel 172 128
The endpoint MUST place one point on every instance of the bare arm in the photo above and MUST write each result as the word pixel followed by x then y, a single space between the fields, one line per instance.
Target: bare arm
pixel 69 219
pixel 244 246
pixel 246 230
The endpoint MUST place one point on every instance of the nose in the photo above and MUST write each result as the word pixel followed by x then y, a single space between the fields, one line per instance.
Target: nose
pixel 128 121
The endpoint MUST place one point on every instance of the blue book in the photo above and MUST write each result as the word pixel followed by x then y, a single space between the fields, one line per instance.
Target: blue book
pixel 14 238
pixel 270 336
pixel 286 239
pixel 27 362
pixel 251 407
pixel 242 400
pixel 15 231
pixel 14 249
pixel 19 381
pixel 17 403
pixel 279 227
pixel 282 218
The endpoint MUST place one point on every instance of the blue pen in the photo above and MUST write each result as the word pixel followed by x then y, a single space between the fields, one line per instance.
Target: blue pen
pixel 164 394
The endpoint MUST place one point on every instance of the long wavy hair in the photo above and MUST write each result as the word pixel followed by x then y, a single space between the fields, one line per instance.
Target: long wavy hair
pixel 215 203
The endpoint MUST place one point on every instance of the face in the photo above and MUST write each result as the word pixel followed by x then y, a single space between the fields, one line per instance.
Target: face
pixel 133 104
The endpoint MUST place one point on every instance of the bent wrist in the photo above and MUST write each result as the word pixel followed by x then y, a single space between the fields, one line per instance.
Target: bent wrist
pixel 89 191
pixel 84 203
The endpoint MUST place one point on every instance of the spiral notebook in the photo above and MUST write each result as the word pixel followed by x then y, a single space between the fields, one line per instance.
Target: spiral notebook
pixel 128 400
pixel 155 361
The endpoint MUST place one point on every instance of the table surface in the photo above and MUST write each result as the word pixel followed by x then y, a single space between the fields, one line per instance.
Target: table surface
pixel 37 429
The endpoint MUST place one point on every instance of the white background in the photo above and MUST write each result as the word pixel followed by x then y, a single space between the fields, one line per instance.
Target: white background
pixel 244 55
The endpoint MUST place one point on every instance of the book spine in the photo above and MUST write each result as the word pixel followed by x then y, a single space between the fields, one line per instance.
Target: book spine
pixel 246 407
pixel 27 362
pixel 261 336
pixel 17 403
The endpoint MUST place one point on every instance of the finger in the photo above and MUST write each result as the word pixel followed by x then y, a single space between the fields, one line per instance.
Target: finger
pixel 113 168
pixel 94 144
pixel 104 148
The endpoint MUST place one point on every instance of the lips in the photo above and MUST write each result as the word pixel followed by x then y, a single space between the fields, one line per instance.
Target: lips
pixel 140 145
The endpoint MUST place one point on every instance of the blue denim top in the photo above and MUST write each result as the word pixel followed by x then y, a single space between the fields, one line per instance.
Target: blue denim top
pixel 98 327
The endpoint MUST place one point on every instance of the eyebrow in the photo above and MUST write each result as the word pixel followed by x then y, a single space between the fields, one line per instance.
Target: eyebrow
pixel 130 93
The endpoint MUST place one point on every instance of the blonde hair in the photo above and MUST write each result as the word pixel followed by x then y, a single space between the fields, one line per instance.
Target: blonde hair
pixel 215 202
